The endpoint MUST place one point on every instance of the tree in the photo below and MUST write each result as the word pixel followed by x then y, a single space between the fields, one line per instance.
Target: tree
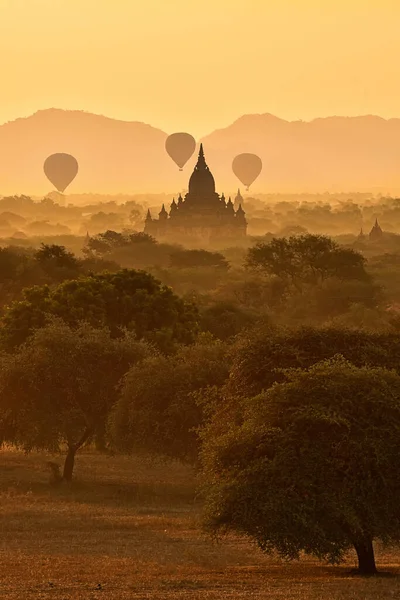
pixel 158 410
pixel 97 246
pixel 109 241
pixel 134 250
pixel 187 259
pixel 57 262
pixel 261 352
pixel 225 319
pixel 58 388
pixel 310 465
pixel 136 217
pixel 58 255
pixel 24 267
pixel 131 299
pixel 104 243
pixel 139 237
pixel 10 264
pixel 306 259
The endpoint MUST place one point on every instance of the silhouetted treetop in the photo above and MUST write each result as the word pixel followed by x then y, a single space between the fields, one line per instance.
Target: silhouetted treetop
pixel 306 259
pixel 126 299
pixel 198 258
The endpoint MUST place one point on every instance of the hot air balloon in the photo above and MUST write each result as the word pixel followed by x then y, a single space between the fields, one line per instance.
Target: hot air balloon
pixel 180 147
pixel 60 169
pixel 247 168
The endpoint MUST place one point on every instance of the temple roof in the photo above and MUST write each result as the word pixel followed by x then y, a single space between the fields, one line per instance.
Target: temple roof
pixel 201 182
pixel 376 231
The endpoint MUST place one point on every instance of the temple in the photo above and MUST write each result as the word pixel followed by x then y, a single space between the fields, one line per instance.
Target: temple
pixel 376 232
pixel 202 216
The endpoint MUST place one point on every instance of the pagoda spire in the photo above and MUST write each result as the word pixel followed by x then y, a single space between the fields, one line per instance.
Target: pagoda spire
pixel 240 214
pixel 201 161
pixel 163 213
pixel 229 207
pixel 201 182
pixel 174 207
pixel 376 232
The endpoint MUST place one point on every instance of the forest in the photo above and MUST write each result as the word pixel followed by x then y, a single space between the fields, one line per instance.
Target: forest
pixel 241 402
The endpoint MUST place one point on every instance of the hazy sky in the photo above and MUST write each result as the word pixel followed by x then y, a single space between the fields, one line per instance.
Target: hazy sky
pixel 197 65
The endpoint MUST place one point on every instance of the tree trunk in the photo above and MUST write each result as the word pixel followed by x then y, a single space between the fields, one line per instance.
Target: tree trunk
pixel 366 557
pixel 69 463
pixel 72 450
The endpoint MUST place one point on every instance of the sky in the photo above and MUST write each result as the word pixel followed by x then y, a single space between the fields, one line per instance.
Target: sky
pixel 198 65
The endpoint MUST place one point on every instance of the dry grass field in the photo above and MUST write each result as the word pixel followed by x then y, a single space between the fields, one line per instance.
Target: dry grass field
pixel 129 529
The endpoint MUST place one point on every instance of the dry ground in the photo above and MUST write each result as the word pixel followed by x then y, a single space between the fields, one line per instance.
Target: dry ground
pixel 129 529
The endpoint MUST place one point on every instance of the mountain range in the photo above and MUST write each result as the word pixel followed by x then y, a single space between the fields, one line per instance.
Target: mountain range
pixel 327 154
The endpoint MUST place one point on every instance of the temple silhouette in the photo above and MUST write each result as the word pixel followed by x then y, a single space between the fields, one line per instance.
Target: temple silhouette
pixel 202 216
pixel 375 234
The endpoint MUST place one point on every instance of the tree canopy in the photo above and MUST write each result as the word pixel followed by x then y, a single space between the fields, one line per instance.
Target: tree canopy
pixel 259 353
pixel 58 263
pixel 126 299
pixel 105 243
pixel 57 389
pixel 224 320
pixel 304 467
pixel 51 264
pixel 306 259
pixel 158 410
pixel 187 259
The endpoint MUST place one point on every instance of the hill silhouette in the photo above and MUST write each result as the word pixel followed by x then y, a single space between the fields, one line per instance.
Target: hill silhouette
pixel 113 155
pixel 326 154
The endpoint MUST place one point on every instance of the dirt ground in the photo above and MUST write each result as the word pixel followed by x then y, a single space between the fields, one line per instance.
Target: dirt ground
pixel 128 528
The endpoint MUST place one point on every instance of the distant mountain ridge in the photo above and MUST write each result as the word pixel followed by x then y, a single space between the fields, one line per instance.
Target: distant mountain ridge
pixel 326 154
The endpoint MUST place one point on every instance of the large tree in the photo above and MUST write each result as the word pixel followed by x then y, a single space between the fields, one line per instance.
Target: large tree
pixel 135 250
pixel 24 267
pixel 260 352
pixel 306 259
pixel 58 263
pixel 57 390
pixel 158 410
pixel 311 464
pixel 126 299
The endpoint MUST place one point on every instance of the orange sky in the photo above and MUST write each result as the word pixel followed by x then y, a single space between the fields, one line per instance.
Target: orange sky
pixel 197 65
